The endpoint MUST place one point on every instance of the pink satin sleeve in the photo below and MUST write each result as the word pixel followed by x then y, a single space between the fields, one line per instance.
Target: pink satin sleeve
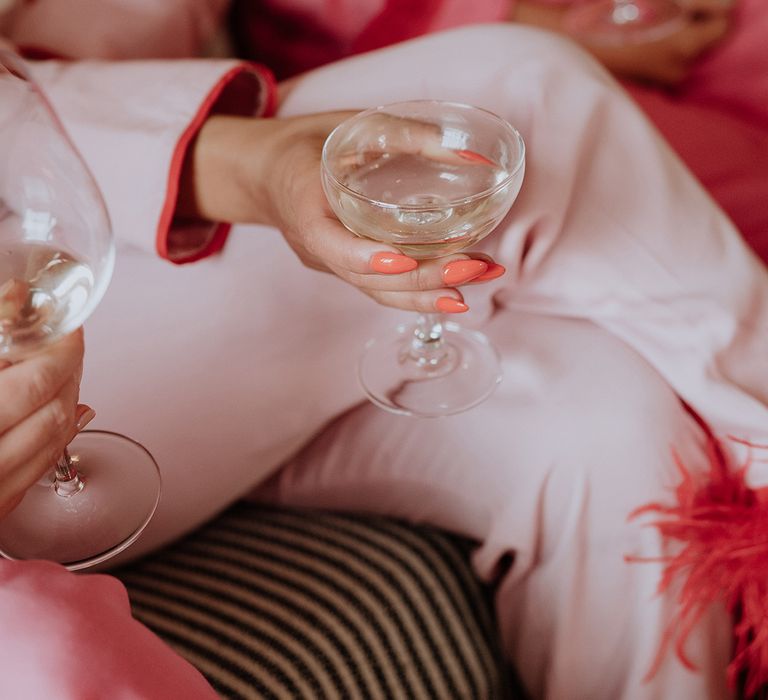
pixel 132 122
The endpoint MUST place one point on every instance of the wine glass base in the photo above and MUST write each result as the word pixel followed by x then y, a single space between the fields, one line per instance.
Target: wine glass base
pixel 640 21
pixel 468 373
pixel 120 494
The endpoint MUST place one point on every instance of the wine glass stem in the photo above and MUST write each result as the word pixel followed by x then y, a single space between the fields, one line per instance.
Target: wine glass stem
pixel 428 346
pixel 67 482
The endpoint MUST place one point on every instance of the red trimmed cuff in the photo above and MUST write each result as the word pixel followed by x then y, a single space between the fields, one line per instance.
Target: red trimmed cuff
pixel 261 102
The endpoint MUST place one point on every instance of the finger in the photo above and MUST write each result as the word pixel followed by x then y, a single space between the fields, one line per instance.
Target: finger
pixel 34 468
pixel 30 448
pixel 449 271
pixel 35 381
pixel 702 35
pixel 14 294
pixel 448 301
pixel 332 246
pixel 386 133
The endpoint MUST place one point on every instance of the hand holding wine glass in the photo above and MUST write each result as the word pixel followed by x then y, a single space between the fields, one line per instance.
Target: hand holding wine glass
pixel 43 418
pixel 56 259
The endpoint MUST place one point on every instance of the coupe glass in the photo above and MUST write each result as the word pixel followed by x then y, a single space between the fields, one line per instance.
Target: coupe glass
pixel 56 258
pixel 621 22
pixel 430 178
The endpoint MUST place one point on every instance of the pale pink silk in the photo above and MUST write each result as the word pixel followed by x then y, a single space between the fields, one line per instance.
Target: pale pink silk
pixel 717 121
pixel 249 355
pixel 627 287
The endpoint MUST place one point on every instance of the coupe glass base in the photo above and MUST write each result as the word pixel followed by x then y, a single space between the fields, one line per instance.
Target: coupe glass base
pixel 467 374
pixel 609 23
pixel 120 494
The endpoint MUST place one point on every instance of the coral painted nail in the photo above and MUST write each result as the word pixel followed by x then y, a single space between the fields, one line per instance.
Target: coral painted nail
pixel 449 305
pixel 493 272
pixel 392 263
pixel 85 414
pixel 474 157
pixel 461 271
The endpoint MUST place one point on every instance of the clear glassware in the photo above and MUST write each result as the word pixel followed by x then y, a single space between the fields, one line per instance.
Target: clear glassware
pixel 56 259
pixel 620 22
pixel 430 178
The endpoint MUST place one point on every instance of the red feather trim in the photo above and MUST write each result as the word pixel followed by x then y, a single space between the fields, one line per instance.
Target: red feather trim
pixel 724 527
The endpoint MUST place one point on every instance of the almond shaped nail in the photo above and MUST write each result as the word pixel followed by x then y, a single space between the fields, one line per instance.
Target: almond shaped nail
pixel 85 415
pixel 392 263
pixel 449 305
pixel 493 272
pixel 461 271
pixel 474 157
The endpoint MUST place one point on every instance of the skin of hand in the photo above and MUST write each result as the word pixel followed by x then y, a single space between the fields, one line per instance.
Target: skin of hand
pixel 666 61
pixel 39 415
pixel 267 171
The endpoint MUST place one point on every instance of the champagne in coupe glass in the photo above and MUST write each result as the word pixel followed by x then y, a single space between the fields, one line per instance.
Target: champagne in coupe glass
pixel 431 178
pixel 56 258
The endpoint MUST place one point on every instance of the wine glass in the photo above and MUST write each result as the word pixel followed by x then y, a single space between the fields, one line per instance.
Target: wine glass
pixel 430 178
pixel 620 22
pixel 56 258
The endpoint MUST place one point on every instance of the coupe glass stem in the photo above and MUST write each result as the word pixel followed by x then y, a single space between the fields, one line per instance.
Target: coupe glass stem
pixel 428 346
pixel 67 482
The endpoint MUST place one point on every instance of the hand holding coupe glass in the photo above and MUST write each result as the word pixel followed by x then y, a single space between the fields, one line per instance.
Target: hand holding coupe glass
pixel 430 178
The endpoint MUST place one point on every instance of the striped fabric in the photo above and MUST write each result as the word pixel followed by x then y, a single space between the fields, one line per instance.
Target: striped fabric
pixel 285 604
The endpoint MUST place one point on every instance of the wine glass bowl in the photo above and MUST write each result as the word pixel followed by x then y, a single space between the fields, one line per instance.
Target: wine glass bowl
pixel 430 178
pixel 57 246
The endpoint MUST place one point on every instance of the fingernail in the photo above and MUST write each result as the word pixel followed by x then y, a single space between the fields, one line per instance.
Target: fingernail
pixel 493 272
pixel 392 263
pixel 449 305
pixel 460 271
pixel 474 157
pixel 85 414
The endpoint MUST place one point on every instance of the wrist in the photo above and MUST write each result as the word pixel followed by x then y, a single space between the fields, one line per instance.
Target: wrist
pixel 225 171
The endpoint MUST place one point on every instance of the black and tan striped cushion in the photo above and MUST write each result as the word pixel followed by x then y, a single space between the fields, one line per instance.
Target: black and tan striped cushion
pixel 285 604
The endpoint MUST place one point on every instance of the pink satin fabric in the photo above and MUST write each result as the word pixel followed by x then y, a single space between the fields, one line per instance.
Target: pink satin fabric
pixel 663 300
pixel 627 289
